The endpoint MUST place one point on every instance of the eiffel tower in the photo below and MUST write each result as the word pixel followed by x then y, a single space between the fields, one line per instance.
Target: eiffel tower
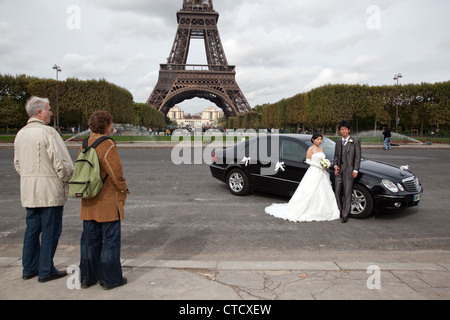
pixel 215 81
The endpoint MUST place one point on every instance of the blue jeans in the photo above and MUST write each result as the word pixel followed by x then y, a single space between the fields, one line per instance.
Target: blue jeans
pixel 37 256
pixel 100 253
pixel 387 143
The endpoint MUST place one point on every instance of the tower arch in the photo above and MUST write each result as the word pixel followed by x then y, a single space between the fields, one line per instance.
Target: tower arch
pixel 220 100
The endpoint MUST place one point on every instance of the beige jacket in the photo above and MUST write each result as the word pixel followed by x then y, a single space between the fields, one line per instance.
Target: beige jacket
pixel 44 164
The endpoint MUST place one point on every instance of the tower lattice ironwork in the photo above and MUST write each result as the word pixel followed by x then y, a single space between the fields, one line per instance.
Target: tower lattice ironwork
pixel 216 81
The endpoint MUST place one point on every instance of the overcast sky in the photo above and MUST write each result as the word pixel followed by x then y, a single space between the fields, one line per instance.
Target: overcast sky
pixel 280 48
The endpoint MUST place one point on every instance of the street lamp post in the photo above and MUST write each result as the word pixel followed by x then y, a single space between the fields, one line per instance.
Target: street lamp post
pixel 57 69
pixel 397 77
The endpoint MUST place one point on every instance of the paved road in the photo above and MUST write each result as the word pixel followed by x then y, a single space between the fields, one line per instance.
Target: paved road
pixel 186 237
pixel 181 212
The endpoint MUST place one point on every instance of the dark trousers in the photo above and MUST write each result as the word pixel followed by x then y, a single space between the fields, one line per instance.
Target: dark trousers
pixel 44 226
pixel 100 253
pixel 343 190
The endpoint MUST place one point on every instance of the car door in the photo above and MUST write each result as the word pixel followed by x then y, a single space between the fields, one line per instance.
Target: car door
pixel 292 156
pixel 258 151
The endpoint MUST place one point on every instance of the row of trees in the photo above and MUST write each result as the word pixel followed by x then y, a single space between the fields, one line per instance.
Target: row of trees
pixel 77 100
pixel 421 107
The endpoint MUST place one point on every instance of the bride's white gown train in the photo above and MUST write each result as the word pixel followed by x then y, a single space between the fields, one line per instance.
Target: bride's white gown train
pixel 314 199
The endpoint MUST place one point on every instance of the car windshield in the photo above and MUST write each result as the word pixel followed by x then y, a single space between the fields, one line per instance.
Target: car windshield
pixel 328 146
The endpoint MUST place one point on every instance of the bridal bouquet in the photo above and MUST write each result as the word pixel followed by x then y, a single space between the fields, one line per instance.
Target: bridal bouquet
pixel 325 163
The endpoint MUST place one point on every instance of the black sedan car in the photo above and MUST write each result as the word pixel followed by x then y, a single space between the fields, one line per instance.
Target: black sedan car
pixel 276 164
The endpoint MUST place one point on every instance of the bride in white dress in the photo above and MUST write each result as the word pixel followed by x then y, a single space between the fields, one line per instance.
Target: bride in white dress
pixel 314 199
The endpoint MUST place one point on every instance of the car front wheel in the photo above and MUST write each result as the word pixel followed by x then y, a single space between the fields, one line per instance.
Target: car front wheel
pixel 362 203
pixel 238 183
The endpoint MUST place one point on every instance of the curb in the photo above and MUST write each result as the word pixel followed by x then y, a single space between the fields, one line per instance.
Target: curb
pixel 6 262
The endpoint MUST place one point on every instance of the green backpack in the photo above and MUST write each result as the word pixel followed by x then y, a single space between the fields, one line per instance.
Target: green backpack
pixel 86 181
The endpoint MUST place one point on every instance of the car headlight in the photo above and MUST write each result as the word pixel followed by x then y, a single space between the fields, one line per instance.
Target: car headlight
pixel 388 184
pixel 400 187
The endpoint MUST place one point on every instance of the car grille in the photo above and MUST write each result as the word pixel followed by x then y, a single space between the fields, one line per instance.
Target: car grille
pixel 412 184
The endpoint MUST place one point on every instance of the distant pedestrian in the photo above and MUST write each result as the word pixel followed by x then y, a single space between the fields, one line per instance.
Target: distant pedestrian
pixel 387 138
pixel 45 167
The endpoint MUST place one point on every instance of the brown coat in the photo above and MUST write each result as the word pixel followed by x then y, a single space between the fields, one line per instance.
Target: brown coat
pixel 108 205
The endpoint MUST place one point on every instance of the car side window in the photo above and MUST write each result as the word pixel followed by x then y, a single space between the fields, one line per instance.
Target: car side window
pixel 258 148
pixel 293 151
pixel 328 147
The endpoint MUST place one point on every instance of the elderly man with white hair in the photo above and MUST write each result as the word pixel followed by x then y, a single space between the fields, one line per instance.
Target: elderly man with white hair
pixel 44 164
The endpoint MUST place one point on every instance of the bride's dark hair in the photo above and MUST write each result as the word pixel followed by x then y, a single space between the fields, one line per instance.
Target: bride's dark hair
pixel 315 136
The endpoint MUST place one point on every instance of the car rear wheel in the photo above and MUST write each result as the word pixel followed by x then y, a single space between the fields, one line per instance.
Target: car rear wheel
pixel 238 183
pixel 362 202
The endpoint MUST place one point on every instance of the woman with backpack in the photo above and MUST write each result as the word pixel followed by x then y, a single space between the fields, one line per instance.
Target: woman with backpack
pixel 101 238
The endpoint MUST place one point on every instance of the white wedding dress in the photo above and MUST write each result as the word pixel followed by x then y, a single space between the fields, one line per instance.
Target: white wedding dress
pixel 314 198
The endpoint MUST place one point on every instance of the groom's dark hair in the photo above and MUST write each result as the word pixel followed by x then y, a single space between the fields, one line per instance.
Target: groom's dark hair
pixel 344 124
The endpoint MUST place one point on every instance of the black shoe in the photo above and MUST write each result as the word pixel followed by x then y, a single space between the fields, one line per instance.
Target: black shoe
pixel 31 276
pixel 344 220
pixel 56 275
pixel 86 284
pixel 108 287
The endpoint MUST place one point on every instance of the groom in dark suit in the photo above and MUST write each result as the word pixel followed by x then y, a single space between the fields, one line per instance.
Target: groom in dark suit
pixel 347 159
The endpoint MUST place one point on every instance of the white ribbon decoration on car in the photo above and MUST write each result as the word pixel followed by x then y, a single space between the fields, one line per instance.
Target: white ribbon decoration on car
pixel 279 165
pixel 246 160
pixel 404 168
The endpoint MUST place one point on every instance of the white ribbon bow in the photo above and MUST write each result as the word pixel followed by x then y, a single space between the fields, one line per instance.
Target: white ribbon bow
pixel 246 160
pixel 404 168
pixel 279 165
